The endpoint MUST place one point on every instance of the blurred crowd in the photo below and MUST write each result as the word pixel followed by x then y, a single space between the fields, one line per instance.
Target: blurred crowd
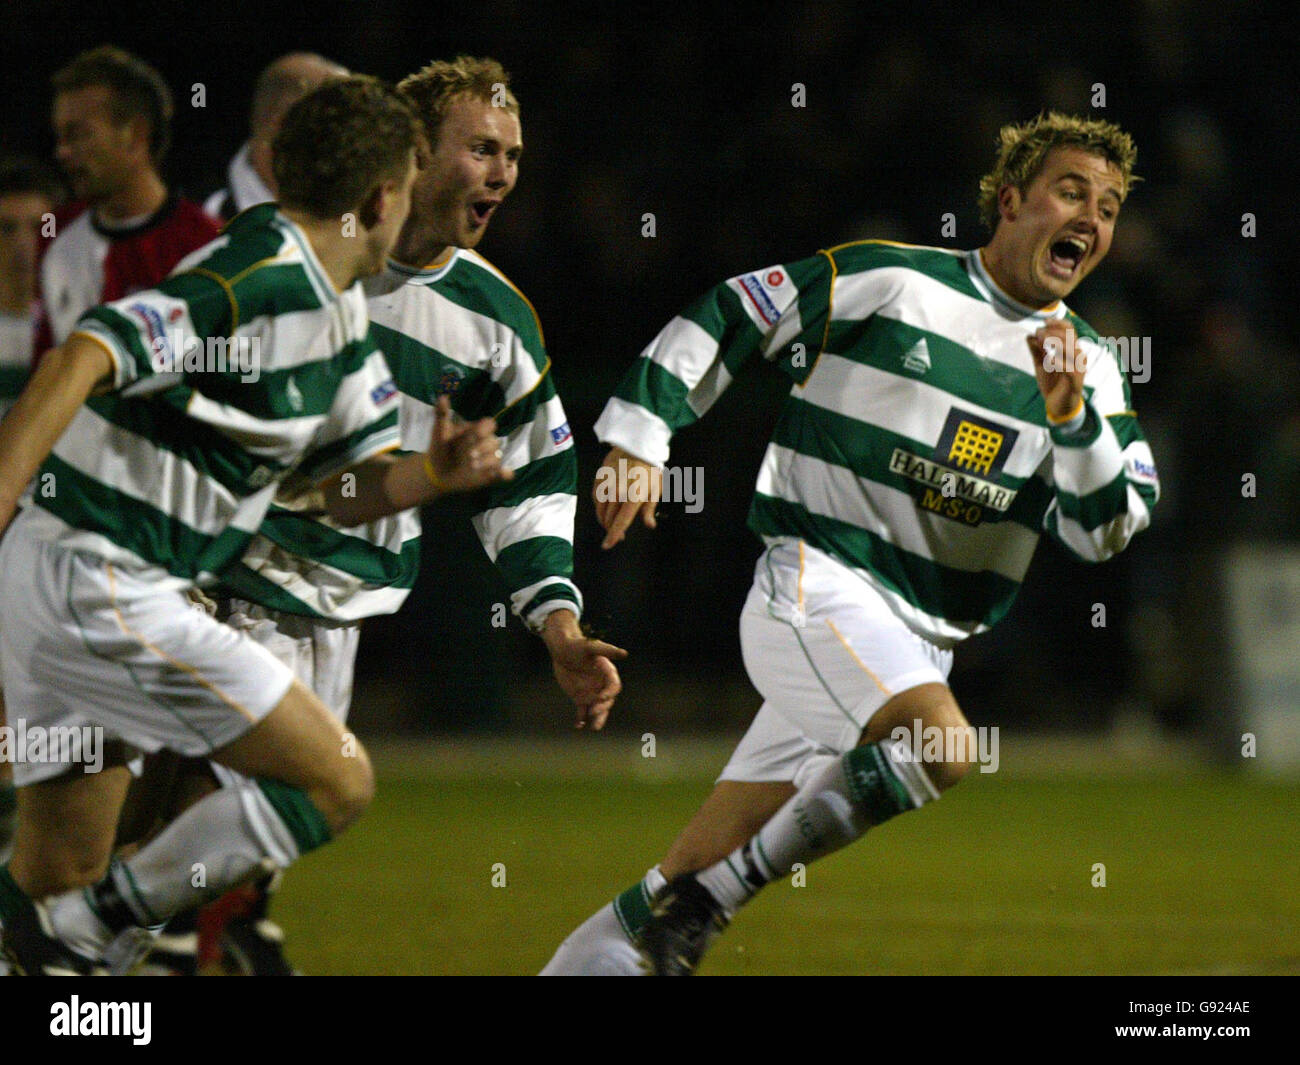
pixel 695 130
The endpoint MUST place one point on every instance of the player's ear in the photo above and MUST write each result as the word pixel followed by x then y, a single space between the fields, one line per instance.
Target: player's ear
pixel 138 132
pixel 375 207
pixel 1009 199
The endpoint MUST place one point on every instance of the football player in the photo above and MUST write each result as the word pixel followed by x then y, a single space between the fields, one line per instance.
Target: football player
pixel 947 409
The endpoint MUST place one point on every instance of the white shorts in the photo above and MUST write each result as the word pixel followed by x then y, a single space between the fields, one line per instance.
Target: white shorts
pixel 322 654
pixel 88 645
pixel 825 651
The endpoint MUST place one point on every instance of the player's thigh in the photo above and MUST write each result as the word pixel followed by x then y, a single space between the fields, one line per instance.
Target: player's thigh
pixel 732 813
pixel 64 835
pixel 826 650
pixel 301 743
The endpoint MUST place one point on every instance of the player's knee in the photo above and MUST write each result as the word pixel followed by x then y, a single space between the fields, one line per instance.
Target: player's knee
pixel 345 796
pixel 946 772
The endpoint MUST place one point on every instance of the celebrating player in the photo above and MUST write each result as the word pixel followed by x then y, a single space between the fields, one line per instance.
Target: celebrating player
pixel 450 325
pixel 947 410
pixel 164 446
pixel 250 178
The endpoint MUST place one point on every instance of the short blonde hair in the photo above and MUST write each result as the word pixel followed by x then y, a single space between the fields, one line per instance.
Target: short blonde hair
pixel 432 89
pixel 1023 149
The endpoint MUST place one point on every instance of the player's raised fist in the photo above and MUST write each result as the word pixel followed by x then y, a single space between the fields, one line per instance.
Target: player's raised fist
pixel 1059 366
pixel 463 455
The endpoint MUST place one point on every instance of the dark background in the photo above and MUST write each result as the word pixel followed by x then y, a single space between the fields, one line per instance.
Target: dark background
pixel 687 113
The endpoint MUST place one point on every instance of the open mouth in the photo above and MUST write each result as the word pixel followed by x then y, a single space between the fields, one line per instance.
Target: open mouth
pixel 482 210
pixel 1066 254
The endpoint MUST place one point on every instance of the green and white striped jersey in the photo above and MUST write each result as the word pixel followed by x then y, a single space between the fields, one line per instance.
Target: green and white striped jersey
pixel 914 445
pixel 243 367
pixel 460 329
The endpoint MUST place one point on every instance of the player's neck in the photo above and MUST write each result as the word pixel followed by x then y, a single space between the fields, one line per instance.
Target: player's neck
pixel 418 247
pixel 995 259
pixel 143 194
pixel 342 256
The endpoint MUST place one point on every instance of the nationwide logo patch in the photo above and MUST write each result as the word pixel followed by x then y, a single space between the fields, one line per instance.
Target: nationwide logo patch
pixel 560 435
pixel 959 480
pixel 383 392
pixel 758 296
pixel 153 326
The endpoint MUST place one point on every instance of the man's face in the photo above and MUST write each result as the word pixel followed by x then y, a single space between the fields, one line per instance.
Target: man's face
pixel 1062 225
pixel 397 206
pixel 97 153
pixel 21 215
pixel 471 171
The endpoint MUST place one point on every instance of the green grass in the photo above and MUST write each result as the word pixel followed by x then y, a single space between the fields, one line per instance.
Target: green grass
pixel 1200 874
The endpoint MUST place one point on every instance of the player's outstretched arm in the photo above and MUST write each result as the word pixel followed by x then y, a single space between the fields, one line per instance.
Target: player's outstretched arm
pixel 584 668
pixel 64 379
pixel 461 458
pixel 625 486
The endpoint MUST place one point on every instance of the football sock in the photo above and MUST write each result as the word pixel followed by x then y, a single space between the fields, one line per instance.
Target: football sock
pixel 217 843
pixel 865 787
pixel 602 944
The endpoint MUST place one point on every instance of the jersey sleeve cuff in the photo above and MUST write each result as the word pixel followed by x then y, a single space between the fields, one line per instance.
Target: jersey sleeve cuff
pixel 124 369
pixel 1082 430
pixel 636 430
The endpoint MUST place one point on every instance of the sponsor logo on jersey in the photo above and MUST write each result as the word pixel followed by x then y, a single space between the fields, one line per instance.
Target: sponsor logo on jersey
pixel 775 279
pixel 758 296
pixel 383 392
pixel 1142 471
pixel 560 435
pixel 153 326
pixel 450 381
pixel 959 479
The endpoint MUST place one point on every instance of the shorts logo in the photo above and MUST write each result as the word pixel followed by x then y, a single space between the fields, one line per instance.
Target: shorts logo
pixel 959 480
pixel 382 392
pixel 560 435
pixel 758 296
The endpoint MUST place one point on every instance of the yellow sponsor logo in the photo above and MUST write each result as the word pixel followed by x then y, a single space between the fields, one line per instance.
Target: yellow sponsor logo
pixel 974 447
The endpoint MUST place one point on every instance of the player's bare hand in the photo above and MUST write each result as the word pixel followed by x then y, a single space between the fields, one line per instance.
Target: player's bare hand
pixel 584 669
pixel 1059 367
pixel 464 455
pixel 625 486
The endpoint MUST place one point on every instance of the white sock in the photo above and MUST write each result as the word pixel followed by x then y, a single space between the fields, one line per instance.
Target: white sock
pixel 215 845
pixel 602 944
pixel 865 787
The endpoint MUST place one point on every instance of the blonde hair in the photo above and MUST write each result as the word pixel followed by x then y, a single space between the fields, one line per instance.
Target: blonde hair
pixel 432 89
pixel 1022 151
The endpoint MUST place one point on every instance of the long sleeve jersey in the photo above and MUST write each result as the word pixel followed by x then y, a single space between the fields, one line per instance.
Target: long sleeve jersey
pixel 914 445
pixel 459 329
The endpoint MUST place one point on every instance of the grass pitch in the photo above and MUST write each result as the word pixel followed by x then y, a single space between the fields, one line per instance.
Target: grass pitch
pixel 997 878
